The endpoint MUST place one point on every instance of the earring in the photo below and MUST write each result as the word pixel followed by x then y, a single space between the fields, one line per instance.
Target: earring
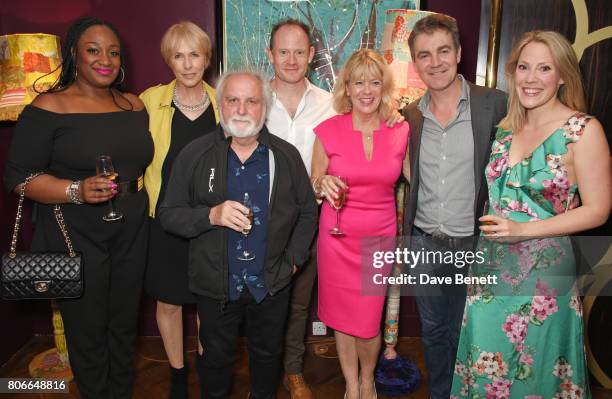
pixel 76 73
pixel 122 76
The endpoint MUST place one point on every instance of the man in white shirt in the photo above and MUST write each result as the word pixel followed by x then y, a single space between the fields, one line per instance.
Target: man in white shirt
pixel 297 108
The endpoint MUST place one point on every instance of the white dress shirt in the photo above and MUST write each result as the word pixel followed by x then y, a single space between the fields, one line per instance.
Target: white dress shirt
pixel 314 107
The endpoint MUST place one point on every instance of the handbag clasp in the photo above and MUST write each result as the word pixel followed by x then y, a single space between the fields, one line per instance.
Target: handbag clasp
pixel 42 286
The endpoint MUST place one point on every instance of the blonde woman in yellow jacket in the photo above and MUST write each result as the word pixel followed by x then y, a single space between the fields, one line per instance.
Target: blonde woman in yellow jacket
pixel 179 112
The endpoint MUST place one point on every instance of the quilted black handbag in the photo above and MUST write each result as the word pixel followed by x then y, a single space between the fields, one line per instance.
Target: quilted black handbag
pixel 41 275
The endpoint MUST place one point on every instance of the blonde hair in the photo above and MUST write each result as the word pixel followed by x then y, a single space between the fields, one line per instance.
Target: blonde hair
pixel 362 63
pixel 571 93
pixel 191 34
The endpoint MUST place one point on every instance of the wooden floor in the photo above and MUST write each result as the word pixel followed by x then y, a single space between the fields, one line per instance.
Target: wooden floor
pixel 152 380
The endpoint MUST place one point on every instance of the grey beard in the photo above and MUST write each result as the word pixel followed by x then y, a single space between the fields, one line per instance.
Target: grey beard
pixel 241 134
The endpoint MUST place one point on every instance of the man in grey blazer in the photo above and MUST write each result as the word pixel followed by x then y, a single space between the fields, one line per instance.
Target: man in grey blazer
pixel 451 130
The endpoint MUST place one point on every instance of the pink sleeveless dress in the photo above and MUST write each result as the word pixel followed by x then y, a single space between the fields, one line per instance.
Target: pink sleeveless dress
pixel 369 211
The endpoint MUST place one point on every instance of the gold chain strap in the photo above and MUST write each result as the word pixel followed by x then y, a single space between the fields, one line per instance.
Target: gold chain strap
pixel 58 216
pixel 62 225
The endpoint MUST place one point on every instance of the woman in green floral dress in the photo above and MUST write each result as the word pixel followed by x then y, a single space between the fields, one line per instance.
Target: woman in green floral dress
pixel 523 338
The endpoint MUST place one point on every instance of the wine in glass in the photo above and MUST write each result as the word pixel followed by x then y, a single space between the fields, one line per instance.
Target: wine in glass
pixel 488 244
pixel 246 254
pixel 485 212
pixel 105 168
pixel 337 204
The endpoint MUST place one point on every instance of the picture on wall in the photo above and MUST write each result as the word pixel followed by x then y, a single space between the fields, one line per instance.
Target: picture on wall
pixel 338 28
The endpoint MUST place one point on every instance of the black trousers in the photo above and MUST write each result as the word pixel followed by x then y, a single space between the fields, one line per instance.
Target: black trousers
pixel 299 310
pixel 101 326
pixel 264 329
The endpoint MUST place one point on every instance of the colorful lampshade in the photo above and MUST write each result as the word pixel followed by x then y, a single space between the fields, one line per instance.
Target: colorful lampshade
pixel 23 59
pixel 395 50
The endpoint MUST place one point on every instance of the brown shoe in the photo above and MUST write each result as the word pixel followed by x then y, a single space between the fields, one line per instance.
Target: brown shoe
pixel 296 385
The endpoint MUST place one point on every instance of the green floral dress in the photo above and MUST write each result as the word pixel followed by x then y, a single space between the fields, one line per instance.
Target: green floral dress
pixel 523 337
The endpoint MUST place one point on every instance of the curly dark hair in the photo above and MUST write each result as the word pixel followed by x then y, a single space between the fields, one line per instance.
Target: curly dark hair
pixel 69 64
pixel 69 48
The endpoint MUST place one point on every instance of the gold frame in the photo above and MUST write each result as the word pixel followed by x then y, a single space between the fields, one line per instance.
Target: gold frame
pixel 594 367
pixel 600 277
pixel 493 44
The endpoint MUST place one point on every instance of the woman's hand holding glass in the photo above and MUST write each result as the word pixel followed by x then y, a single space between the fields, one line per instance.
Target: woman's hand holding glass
pixel 331 188
pixel 493 225
pixel 502 230
pixel 334 188
pixel 96 189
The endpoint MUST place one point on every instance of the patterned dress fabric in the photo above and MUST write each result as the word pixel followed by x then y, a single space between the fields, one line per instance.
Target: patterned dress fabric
pixel 369 211
pixel 523 338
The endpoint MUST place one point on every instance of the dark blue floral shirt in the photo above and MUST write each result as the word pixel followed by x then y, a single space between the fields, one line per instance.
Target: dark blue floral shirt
pixel 252 177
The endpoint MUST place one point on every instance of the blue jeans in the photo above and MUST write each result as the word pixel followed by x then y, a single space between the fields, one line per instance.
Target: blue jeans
pixel 441 317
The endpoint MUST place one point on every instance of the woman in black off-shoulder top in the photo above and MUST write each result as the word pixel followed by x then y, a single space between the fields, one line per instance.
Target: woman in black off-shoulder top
pixel 60 135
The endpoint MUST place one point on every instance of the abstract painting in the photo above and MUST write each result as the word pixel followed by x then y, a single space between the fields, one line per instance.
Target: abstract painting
pixel 338 27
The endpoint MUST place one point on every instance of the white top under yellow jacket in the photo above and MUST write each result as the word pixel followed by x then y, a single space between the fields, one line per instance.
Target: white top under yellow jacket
pixel 158 101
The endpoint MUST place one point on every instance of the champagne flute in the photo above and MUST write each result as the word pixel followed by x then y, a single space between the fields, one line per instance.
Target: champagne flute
pixel 489 243
pixel 247 255
pixel 105 168
pixel 337 204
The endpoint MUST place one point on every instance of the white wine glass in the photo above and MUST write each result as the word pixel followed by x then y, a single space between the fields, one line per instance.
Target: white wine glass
pixel 338 204
pixel 105 168
pixel 247 255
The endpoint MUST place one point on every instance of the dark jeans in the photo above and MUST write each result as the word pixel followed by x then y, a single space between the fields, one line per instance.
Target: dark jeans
pixel 299 310
pixel 264 329
pixel 441 316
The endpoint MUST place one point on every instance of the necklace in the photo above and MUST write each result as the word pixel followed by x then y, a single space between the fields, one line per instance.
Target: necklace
pixel 191 108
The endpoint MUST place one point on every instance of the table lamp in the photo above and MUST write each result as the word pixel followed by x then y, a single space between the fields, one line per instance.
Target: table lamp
pixel 28 59
pixel 24 58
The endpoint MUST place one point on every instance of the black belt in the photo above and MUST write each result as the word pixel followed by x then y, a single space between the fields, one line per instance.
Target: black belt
pixel 130 187
pixel 446 241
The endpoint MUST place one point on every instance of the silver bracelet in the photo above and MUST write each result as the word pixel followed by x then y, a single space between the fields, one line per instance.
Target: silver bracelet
pixel 73 192
pixel 316 187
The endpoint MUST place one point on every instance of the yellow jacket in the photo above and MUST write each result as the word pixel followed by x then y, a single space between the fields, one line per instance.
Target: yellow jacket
pixel 158 100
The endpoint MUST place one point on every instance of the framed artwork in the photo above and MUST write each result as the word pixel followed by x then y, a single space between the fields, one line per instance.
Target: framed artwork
pixel 338 27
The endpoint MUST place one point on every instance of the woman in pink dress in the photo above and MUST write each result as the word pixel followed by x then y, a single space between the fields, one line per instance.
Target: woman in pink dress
pixel 357 145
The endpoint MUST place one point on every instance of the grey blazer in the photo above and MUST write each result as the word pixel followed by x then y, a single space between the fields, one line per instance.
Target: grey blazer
pixel 488 107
